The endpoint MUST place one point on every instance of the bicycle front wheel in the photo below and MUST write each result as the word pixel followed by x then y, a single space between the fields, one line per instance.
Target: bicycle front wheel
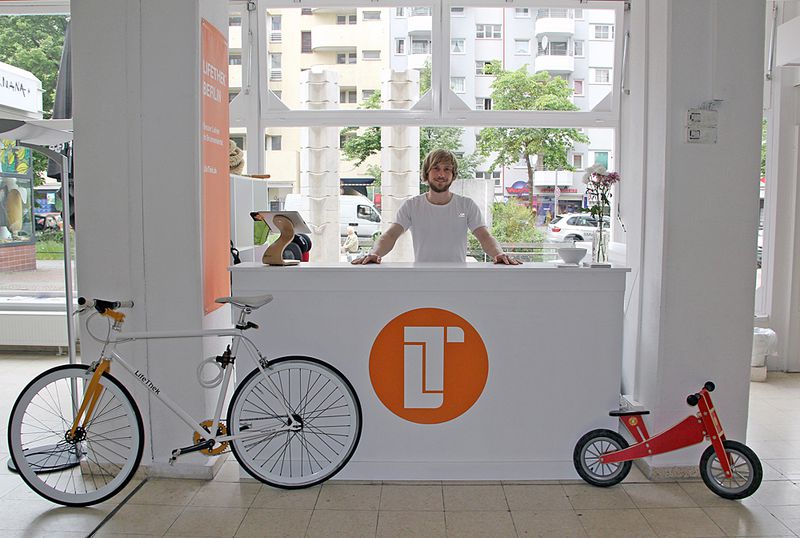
pixel 317 396
pixel 81 469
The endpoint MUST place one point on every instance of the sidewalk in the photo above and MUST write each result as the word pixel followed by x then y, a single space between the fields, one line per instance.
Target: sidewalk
pixel 48 277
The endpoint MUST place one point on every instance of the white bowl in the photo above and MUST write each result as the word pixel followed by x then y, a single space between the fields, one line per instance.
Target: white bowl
pixel 572 255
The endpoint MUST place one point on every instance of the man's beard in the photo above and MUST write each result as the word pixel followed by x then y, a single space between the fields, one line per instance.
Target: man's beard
pixel 435 188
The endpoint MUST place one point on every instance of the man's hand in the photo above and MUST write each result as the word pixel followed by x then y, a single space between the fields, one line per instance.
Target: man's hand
pixel 364 260
pixel 505 259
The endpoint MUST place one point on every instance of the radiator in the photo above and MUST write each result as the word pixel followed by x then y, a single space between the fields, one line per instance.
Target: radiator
pixel 30 328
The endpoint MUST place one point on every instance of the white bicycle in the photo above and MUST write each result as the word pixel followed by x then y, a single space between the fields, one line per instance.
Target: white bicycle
pixel 76 436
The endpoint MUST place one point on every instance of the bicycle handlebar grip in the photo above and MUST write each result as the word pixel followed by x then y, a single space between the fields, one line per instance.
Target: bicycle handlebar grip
pixel 709 386
pixel 692 399
pixel 101 305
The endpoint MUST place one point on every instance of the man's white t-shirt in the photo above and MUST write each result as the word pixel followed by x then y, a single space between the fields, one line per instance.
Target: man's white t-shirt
pixel 440 231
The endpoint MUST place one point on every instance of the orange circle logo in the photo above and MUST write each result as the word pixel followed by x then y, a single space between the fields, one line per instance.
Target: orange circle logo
pixel 428 366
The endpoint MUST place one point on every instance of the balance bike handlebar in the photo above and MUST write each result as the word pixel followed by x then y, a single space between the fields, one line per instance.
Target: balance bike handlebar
pixel 692 399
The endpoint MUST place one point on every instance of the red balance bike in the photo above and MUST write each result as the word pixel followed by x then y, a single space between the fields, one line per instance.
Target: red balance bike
pixel 729 468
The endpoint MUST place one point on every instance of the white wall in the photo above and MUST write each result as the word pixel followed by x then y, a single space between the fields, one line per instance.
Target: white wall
pixel 138 188
pixel 695 293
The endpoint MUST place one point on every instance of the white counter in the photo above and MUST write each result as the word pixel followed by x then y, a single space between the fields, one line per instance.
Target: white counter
pixel 553 345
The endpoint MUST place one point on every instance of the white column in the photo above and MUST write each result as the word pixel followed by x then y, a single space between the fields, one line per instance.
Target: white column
pixel 399 156
pixel 695 269
pixel 319 164
pixel 138 194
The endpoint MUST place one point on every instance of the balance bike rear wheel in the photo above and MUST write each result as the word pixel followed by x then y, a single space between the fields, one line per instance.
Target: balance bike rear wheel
pixel 586 458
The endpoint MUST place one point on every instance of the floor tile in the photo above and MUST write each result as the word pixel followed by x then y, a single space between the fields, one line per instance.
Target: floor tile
pixel 704 497
pixel 476 524
pixel 173 492
pixel 412 498
pixel 39 515
pixel 226 494
pixel 586 497
pixel 778 494
pixel 548 523
pixel 143 519
pixel 535 497
pixel 274 523
pixel 343 523
pixel 669 495
pixel 788 515
pixel 348 497
pixel 681 522
pixel 788 468
pixel 616 523
pixel 207 521
pixel 411 524
pixel 292 499
pixel 747 521
pixel 474 497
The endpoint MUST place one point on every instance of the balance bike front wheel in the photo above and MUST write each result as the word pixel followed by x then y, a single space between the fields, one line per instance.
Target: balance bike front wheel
pixel 586 458
pixel 745 467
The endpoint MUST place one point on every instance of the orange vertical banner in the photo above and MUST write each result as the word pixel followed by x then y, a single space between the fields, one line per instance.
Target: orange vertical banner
pixel 216 176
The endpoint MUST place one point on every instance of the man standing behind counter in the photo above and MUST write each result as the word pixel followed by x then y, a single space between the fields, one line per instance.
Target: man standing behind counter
pixel 438 220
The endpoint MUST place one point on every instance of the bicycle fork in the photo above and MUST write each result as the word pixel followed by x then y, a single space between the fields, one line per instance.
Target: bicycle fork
pixel 90 398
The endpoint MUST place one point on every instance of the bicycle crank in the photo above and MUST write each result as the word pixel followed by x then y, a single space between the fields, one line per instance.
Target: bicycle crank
pixel 221 430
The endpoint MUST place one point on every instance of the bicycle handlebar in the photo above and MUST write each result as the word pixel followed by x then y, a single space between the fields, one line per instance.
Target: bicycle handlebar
pixel 692 399
pixel 101 305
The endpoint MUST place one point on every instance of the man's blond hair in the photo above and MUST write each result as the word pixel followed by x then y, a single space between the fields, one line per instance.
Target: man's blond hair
pixel 439 156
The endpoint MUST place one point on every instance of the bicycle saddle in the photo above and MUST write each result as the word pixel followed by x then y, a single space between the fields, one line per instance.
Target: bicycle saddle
pixel 255 301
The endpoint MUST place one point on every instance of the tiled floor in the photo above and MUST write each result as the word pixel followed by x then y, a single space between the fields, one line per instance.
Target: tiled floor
pixel 637 508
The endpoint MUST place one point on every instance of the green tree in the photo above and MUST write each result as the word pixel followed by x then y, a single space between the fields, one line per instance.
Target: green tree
pixel 34 43
pixel 359 146
pixel 546 148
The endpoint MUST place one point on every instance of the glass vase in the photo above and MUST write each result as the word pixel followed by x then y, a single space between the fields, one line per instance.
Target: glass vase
pixel 600 247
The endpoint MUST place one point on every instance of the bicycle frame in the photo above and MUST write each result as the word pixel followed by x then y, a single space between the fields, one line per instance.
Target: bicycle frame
pixel 92 392
pixel 690 431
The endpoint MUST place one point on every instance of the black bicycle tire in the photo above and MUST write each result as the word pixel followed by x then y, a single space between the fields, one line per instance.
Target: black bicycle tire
pixel 295 358
pixel 577 458
pixel 748 454
pixel 139 424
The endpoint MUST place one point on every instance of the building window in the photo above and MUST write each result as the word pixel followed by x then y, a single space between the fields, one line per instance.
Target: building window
pixel 366 94
pixel 458 84
pixel 578 46
pixel 577 161
pixel 234 21
pixel 602 75
pixel 601 158
pixel 370 55
pixel 554 48
pixel 275 72
pixel 495 175
pixel 400 45
pixel 371 15
pixel 346 58
pixel 522 46
pixel 578 13
pixel 603 31
pixel 346 19
pixel 522 12
pixel 483 103
pixel 480 66
pixel 420 46
pixel 348 95
pixel 577 88
pixel 235 58
pixel 275 34
pixel 421 12
pixel 457 46
pixel 400 12
pixel 306 11
pixel 456 11
pixel 488 31
pixel 305 42
pixel 274 142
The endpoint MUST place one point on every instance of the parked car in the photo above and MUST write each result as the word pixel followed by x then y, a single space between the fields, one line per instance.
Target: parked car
pixel 574 227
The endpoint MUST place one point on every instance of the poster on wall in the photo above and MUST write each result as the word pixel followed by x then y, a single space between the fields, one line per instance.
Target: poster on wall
pixel 216 177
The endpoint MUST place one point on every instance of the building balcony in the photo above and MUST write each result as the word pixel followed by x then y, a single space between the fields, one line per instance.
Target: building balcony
pixel 338 10
pixel 348 73
pixel 555 26
pixel 333 38
pixel 417 61
pixel 419 25
pixel 547 178
pixel 554 63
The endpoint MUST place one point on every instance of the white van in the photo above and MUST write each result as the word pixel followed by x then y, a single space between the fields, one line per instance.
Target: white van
pixel 354 210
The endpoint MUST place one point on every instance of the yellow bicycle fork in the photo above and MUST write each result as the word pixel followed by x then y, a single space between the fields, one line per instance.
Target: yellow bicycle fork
pixel 90 399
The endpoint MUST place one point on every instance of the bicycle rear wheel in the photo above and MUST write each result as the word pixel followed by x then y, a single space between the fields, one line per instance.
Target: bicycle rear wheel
pixel 93 465
pixel 319 397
